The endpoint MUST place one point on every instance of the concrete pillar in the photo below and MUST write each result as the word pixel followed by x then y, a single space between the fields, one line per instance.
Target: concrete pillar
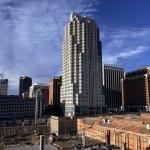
pixel 114 137
pixel 108 137
pixel 41 142
pixel 123 146
pixel 148 143
pixel 137 142
pixel 83 140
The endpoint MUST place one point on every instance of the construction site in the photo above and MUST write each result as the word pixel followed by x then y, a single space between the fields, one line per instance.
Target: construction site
pixel 130 131
pixel 113 132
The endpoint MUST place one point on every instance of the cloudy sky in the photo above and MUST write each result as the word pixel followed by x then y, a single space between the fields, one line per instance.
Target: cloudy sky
pixel 31 35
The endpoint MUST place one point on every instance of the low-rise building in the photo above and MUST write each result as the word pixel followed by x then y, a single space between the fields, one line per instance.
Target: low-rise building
pixel 16 107
pixel 63 126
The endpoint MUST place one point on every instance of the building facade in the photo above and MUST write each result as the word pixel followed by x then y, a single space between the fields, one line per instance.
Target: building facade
pixel 81 90
pixel 16 107
pixel 136 90
pixel 24 85
pixel 3 86
pixel 44 89
pixel 112 76
pixel 54 91
pixel 63 126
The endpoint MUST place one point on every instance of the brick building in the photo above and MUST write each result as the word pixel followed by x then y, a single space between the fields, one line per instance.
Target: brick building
pixel 136 90
pixel 54 91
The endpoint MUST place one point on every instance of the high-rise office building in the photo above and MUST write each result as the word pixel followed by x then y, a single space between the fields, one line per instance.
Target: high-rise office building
pixel 42 90
pixel 54 91
pixel 112 76
pixel 81 90
pixel 136 90
pixel 24 85
pixel 3 86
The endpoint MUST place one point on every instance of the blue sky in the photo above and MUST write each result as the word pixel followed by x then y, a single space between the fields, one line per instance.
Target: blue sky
pixel 31 35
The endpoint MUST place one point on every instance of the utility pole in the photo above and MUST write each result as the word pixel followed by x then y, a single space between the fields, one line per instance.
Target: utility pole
pixel 41 142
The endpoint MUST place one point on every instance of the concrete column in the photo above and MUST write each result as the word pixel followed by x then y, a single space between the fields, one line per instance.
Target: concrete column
pixel 41 142
pixel 108 137
pixel 83 140
pixel 123 143
pixel 137 142
pixel 114 137
pixel 123 146
pixel 148 143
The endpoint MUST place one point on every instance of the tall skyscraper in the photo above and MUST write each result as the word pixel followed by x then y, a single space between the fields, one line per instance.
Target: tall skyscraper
pixel 24 85
pixel 112 76
pixel 81 90
pixel 136 90
pixel 54 91
pixel 3 86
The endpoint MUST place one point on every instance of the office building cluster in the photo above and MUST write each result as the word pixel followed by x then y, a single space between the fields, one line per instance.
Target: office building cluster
pixel 81 89
pixel 90 88
pixel 86 87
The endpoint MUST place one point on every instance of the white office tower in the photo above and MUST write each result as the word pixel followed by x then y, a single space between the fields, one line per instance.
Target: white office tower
pixel 81 90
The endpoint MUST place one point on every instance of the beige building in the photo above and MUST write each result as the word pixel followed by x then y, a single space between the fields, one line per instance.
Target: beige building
pixel 63 126
pixel 81 90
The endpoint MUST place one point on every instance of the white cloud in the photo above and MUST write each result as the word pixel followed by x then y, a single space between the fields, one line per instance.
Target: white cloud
pixel 113 59
pixel 31 35
pixel 123 43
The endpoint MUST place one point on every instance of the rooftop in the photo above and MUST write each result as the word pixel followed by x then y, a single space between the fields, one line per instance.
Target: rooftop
pixel 138 72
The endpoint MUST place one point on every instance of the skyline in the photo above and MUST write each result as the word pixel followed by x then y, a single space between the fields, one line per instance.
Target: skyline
pixel 31 35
